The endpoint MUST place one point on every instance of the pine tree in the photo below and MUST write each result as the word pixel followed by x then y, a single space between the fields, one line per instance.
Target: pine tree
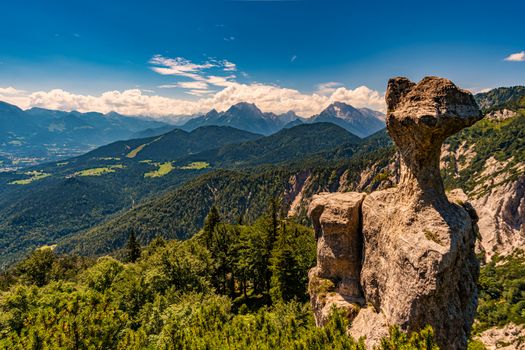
pixel 133 247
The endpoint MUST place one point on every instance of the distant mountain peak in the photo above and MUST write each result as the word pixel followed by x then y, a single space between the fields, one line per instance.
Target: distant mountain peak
pixel 359 121
pixel 244 106
pixel 340 108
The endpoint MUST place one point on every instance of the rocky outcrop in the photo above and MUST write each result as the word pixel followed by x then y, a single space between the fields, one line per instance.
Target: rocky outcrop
pixel 417 264
pixel 502 216
pixel 335 279
pixel 501 114
pixel 508 337
pixel 498 197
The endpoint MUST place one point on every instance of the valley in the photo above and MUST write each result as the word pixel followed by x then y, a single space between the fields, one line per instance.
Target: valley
pixel 164 186
pixel 262 175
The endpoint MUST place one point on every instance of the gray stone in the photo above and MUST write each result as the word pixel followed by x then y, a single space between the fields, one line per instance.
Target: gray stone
pixel 418 259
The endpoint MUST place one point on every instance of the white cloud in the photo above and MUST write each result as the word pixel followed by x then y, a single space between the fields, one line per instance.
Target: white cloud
pixel 327 88
pixel 199 85
pixel 293 58
pixel 10 91
pixel 202 76
pixel 269 98
pixel 361 96
pixel 229 66
pixel 199 73
pixel 14 96
pixel 220 81
pixel 516 57
pixel 229 38
pixel 199 92
pixel 178 66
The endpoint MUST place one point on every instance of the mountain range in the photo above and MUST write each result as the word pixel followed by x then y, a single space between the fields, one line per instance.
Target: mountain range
pixel 361 122
pixel 37 135
pixel 484 162
pixel 57 201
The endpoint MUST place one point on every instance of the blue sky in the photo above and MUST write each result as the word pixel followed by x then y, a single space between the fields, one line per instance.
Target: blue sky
pixel 87 48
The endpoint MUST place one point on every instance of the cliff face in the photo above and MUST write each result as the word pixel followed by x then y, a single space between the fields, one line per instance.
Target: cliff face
pixel 501 211
pixel 403 256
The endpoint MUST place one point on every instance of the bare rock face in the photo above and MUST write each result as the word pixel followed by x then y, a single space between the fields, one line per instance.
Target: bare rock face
pixel 418 262
pixel 502 217
pixel 500 115
pixel 508 337
pixel 335 279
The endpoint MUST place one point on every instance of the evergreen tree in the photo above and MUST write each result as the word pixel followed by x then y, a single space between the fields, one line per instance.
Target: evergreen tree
pixel 133 247
pixel 288 278
pixel 273 226
pixel 210 223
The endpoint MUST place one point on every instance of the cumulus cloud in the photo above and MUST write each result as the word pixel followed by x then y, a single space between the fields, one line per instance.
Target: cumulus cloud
pixel 359 97
pixel 15 96
pixel 269 98
pixel 516 57
pixel 214 85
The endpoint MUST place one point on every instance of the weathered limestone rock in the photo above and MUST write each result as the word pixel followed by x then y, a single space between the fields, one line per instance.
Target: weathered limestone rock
pixel 418 264
pixel 508 337
pixel 500 115
pixel 419 118
pixel 335 279
pixel 502 215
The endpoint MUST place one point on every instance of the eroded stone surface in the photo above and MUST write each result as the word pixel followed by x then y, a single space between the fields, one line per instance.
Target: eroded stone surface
pixel 508 337
pixel 419 265
pixel 419 118
pixel 335 279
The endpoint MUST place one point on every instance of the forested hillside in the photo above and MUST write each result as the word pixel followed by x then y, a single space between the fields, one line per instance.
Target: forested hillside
pixel 180 213
pixel 47 203
pixel 231 287
pixel 503 97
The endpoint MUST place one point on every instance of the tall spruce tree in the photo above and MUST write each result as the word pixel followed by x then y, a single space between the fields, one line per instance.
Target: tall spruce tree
pixel 133 247
pixel 210 224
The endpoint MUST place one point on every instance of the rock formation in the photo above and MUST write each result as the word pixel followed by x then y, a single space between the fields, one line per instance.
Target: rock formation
pixel 336 217
pixel 403 256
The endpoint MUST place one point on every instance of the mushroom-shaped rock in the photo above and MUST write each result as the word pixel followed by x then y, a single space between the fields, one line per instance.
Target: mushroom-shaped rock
pixel 417 265
pixel 419 118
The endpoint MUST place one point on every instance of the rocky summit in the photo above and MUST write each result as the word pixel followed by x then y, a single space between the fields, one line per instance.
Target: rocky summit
pixel 403 256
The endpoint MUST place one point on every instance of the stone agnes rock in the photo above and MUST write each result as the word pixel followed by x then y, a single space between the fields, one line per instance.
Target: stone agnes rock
pixel 403 256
